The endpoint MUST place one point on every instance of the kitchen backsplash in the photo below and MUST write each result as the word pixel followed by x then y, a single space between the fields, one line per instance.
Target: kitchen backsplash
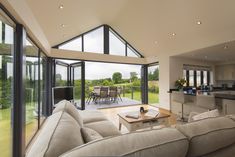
pixel 220 83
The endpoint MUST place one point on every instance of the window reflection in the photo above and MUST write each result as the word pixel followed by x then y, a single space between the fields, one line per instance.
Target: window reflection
pixel 75 45
pixel 31 90
pixel 94 41
pixel 6 86
pixel 116 45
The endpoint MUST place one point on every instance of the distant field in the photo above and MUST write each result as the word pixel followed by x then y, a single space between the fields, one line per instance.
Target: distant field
pixel 153 97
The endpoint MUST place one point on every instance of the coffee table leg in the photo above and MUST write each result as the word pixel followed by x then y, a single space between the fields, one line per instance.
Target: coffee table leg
pixel 120 126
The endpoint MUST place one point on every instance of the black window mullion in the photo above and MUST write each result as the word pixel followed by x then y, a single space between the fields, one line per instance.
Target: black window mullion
pixel 3 32
pixel 82 43
pixel 208 78
pixel 195 78
pixel 187 77
pixel 106 39
pixel 126 49
pixel 202 76
pixel 39 89
pixel 18 86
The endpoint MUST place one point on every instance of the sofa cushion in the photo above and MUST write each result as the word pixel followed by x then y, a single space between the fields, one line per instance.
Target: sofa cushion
pixel 225 152
pixel 59 134
pixel 208 135
pixel 104 128
pixel 92 116
pixel 68 107
pixel 90 135
pixel 163 143
pixel 208 114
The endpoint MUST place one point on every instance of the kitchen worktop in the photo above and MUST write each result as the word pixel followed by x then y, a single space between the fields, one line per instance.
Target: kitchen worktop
pixel 227 94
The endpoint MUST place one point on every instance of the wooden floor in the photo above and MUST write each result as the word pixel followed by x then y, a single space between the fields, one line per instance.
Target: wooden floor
pixel 111 113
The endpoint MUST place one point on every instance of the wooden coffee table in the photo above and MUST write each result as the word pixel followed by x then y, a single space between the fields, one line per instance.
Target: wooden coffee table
pixel 143 121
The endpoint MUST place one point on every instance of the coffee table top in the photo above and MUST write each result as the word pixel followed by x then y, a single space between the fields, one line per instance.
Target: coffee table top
pixel 142 116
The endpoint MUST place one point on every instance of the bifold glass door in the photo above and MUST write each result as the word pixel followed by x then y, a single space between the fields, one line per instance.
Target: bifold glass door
pixel 76 80
pixel 61 73
pixel 69 73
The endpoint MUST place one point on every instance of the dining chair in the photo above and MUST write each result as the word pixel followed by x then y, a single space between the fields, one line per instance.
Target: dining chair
pixel 113 93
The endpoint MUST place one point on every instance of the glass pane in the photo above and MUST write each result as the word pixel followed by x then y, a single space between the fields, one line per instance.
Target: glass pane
pixel 205 77
pixel 31 90
pixel 61 75
pixel 153 88
pixel 77 85
pixel 43 87
pixel 198 78
pixel 131 52
pixel 6 86
pixel 123 76
pixel 8 34
pixel 94 41
pixel 185 76
pixel 191 78
pixel 75 45
pixel 116 45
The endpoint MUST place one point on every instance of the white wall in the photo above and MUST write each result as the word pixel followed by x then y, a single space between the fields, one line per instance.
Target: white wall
pixel 164 82
pixel 171 69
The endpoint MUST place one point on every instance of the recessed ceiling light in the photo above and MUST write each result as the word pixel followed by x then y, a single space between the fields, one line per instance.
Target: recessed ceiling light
pixel 199 22
pixel 173 34
pixel 155 42
pixel 61 7
pixel 62 25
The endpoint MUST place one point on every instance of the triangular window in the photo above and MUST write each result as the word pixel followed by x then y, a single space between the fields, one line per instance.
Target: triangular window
pixel 103 40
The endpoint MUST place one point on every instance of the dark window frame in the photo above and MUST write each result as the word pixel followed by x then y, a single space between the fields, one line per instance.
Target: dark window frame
pixel 18 114
pixel 106 38
pixel 145 89
pixel 195 77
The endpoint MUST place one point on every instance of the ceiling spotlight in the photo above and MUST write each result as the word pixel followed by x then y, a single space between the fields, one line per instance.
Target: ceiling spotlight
pixel 61 7
pixel 226 47
pixel 62 25
pixel 199 22
pixel 155 42
pixel 173 34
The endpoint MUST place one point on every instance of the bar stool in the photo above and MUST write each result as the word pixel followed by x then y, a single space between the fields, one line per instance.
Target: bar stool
pixel 179 97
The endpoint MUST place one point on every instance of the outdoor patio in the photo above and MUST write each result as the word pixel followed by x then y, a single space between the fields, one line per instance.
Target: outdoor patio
pixel 108 104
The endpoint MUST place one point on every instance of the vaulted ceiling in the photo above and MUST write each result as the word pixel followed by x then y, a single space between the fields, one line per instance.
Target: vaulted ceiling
pixel 148 25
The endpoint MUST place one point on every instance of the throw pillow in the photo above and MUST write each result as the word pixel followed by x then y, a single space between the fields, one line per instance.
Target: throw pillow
pixel 90 135
pixel 209 114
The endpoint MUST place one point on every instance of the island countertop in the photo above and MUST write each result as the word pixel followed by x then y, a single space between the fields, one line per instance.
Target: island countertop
pixel 230 95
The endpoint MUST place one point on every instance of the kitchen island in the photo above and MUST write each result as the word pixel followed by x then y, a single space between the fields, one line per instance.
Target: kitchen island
pixel 182 103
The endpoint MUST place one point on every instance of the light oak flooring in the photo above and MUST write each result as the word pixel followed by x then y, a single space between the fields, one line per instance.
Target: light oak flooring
pixel 111 113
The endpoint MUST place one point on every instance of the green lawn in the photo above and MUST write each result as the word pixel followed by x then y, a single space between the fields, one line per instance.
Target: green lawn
pixel 5 133
pixel 5 129
pixel 153 97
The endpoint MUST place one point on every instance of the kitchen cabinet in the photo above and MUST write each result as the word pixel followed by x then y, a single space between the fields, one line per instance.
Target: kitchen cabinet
pixel 225 72
pixel 228 107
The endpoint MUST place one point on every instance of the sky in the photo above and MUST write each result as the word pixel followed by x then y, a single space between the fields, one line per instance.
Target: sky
pixel 96 70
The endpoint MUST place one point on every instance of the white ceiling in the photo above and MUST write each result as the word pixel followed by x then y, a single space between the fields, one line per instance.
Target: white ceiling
pixel 218 53
pixel 142 22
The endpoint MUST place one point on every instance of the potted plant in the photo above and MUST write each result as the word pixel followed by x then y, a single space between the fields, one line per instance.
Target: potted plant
pixel 180 83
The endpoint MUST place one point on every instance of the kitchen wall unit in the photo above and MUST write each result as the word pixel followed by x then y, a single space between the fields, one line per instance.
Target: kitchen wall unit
pixel 225 72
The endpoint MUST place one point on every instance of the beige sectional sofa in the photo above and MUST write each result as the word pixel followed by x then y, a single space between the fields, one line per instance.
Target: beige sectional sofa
pixel 61 136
